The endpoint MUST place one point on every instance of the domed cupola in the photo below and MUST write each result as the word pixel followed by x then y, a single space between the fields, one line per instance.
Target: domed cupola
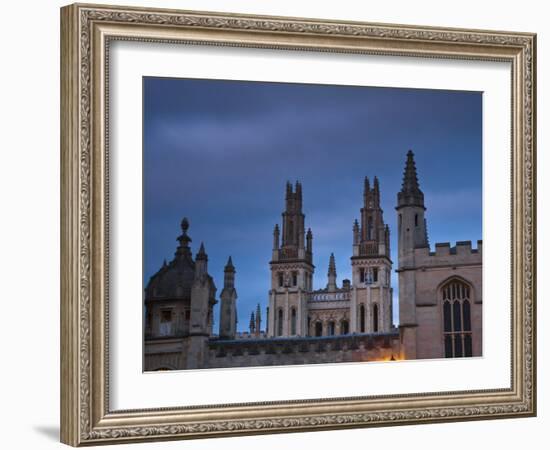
pixel 174 280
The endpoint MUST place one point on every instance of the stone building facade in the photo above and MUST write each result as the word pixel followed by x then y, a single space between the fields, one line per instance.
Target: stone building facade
pixel 362 305
pixel 440 296
pixel 440 293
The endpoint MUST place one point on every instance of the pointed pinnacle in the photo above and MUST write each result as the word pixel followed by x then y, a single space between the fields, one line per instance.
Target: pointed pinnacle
pixel 331 263
pixel 201 253
pixel 410 194
pixel 410 178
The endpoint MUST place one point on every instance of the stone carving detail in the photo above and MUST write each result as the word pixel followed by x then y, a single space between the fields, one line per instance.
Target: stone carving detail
pixel 307 27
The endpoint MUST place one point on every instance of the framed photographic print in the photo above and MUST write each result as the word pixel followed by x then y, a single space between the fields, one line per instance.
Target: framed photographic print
pixel 275 224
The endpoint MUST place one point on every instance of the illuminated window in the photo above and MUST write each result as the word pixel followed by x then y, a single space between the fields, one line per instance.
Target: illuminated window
pixel 457 322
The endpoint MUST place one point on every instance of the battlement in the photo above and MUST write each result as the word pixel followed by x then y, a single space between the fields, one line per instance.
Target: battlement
pixel 304 350
pixel 445 254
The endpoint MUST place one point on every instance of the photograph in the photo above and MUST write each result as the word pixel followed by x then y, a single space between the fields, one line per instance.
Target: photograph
pixel 280 222
pixel 294 224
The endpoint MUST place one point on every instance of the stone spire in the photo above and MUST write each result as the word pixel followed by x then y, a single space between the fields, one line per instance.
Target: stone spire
pixel 366 189
pixel 369 238
pixel 229 274
pixel 410 194
pixel 201 262
pixel 356 236
pixel 299 194
pixel 252 324
pixel 376 191
pixel 276 237
pixel 309 241
pixel 292 245
pixel 258 325
pixel 331 286
pixel 228 297
pixel 202 253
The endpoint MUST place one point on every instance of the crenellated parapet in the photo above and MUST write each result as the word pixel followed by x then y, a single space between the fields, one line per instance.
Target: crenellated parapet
pixel 304 350
pixel 462 253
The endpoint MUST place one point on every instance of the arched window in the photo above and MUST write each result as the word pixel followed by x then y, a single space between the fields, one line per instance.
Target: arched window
pixel 280 322
pixel 457 321
pixel 293 321
pixel 331 328
pixel 375 318
pixel 344 327
pixel 165 328
pixel 362 318
pixel 318 329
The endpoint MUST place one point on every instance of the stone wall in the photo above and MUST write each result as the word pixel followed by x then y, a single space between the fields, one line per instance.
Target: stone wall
pixel 432 270
pixel 169 353
pixel 310 350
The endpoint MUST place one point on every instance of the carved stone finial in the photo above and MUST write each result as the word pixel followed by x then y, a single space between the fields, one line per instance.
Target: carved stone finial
pixel 184 239
pixel 185 224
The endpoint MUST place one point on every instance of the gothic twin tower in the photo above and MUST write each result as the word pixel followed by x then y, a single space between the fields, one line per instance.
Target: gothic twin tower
pixel 361 305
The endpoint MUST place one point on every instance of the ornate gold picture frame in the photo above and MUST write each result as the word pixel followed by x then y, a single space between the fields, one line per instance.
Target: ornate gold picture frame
pixel 87 32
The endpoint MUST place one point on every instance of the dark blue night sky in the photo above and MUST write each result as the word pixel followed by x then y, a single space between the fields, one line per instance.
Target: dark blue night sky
pixel 220 153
